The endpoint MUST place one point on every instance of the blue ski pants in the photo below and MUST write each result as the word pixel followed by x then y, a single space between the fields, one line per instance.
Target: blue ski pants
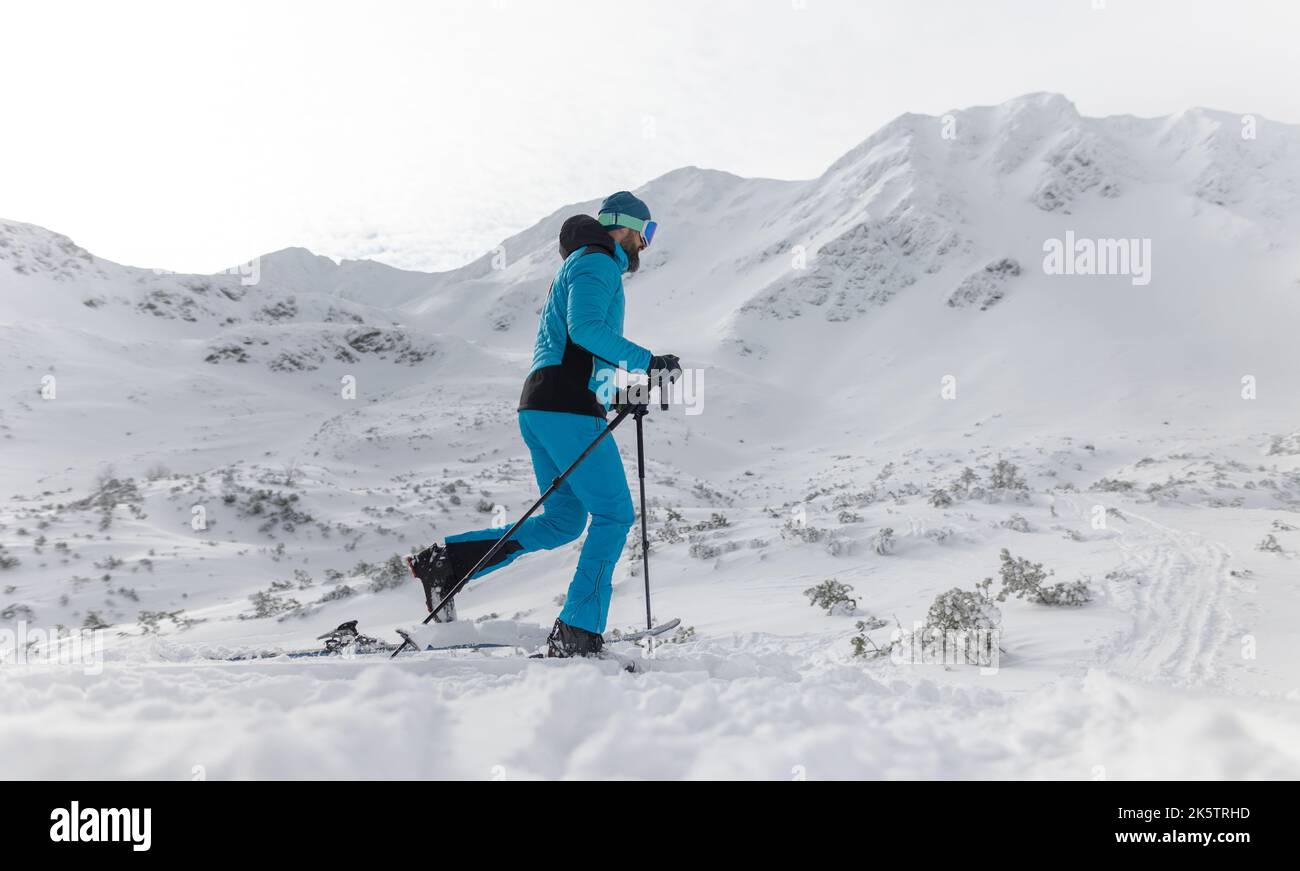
pixel 597 489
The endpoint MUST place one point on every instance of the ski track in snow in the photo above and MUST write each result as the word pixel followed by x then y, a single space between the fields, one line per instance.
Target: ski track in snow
pixel 1180 617
pixel 1175 587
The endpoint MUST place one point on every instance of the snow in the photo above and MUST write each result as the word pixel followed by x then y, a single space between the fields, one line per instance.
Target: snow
pixel 823 421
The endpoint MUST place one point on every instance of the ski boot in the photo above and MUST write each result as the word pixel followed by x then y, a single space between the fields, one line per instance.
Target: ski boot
pixel 433 569
pixel 565 641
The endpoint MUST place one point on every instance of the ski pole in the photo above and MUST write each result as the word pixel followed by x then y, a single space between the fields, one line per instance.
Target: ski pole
pixel 645 537
pixel 640 472
pixel 500 542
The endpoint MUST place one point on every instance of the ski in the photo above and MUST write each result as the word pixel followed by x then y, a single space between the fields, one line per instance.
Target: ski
pixel 346 641
pixel 612 637
pixel 413 643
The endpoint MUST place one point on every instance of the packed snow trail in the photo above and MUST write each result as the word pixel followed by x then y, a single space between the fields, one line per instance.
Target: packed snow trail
pixel 1175 587
pixel 1179 606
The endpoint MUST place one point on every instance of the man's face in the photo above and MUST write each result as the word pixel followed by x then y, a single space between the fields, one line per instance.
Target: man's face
pixel 631 242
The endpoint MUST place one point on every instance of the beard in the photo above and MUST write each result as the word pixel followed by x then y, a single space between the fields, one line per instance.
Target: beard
pixel 630 248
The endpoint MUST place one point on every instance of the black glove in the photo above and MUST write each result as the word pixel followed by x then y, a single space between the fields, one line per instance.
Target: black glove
pixel 666 366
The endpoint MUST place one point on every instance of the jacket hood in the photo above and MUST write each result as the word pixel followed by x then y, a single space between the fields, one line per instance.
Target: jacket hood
pixel 581 231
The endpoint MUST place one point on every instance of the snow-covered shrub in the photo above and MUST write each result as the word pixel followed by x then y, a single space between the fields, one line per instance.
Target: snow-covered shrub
pixel 939 498
pixel 705 550
pixel 1016 523
pixel 669 532
pixel 1006 476
pixel 860 499
pixel 883 541
pixel 961 627
pixel 1270 544
pixel 343 591
pixel 833 596
pixel 836 546
pixel 276 508
pixel 1114 485
pixel 18 612
pixel 1288 445
pixel 231 351
pixel 267 604
pixel 941 534
pixel 1019 576
pixel 959 610
pixel 150 621
pixel 862 645
pixel 634 554
pixel 111 492
pixel 715 521
pixel 900 493
pixel 391 573
pixel 803 532
pixel 1024 579
pixel 1061 594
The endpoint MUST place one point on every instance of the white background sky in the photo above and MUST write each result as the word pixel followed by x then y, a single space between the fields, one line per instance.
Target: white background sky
pixel 195 135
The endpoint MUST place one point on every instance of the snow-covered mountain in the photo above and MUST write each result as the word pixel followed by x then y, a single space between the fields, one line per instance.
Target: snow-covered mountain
pixel 864 339
pixel 916 256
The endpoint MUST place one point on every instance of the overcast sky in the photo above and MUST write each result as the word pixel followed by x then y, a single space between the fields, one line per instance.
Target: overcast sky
pixel 195 135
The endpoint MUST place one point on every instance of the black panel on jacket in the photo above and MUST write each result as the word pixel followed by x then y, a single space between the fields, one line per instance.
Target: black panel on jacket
pixel 564 387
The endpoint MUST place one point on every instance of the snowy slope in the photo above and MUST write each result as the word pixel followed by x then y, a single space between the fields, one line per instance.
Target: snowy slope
pixel 328 417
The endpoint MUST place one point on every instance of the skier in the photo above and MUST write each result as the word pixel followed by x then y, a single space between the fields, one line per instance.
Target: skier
pixel 579 345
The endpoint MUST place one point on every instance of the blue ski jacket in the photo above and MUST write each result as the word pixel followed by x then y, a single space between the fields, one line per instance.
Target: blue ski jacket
pixel 580 342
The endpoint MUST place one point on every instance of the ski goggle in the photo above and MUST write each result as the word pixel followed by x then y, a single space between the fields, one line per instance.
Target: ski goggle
pixel 617 219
